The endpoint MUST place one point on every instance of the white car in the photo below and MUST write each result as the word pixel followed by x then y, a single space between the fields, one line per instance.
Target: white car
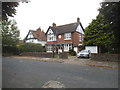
pixel 84 53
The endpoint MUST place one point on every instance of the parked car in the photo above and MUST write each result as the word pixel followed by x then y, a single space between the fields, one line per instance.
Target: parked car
pixel 84 53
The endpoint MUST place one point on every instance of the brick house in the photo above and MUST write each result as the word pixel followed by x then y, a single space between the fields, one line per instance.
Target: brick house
pixel 37 36
pixel 65 37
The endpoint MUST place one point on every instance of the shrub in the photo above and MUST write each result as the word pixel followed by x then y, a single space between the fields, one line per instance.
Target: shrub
pixel 72 52
pixel 30 47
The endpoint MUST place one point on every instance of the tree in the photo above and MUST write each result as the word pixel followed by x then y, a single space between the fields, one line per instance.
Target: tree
pixel 110 11
pixel 10 35
pixel 9 9
pixel 103 31
pixel 99 33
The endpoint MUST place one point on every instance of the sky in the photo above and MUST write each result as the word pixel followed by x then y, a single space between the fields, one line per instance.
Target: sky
pixel 42 13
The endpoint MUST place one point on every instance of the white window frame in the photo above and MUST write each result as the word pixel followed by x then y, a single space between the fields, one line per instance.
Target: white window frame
pixel 67 47
pixel 51 36
pixel 67 36
pixel 80 38
pixel 49 48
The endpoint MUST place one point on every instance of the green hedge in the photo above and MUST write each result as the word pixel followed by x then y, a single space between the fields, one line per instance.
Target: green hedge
pixel 30 47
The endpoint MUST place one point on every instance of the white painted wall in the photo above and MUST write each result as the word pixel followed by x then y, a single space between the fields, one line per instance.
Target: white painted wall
pixel 49 51
pixel 79 29
pixel 76 49
pixel 36 41
pixel 30 35
pixel 93 49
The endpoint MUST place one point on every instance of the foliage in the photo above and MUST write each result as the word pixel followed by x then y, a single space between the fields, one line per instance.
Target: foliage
pixel 110 11
pixel 99 33
pixel 9 9
pixel 30 47
pixel 103 31
pixel 72 52
pixel 10 35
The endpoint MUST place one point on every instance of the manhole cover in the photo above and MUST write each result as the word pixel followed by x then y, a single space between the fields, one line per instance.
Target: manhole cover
pixel 53 84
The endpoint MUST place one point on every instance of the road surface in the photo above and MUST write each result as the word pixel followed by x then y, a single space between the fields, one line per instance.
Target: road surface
pixel 23 73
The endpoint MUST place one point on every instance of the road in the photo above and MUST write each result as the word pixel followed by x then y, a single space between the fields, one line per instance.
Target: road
pixel 23 73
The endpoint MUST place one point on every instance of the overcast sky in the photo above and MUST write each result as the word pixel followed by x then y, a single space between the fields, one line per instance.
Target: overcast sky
pixel 42 13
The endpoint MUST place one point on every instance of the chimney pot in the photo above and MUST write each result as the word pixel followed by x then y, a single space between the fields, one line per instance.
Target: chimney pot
pixel 54 25
pixel 78 19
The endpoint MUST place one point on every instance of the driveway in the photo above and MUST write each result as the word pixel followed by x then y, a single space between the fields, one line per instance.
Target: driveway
pixel 30 73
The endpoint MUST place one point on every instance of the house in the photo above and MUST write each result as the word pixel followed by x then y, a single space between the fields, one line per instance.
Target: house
pixel 37 36
pixel 65 37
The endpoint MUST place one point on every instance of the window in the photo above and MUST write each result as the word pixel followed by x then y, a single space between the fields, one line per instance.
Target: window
pixel 67 47
pixel 80 38
pixel 49 48
pixel 51 37
pixel 67 36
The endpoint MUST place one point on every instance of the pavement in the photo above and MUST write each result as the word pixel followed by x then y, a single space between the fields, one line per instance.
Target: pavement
pixel 74 60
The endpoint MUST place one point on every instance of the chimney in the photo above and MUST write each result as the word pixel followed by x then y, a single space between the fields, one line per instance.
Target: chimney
pixel 54 25
pixel 39 29
pixel 78 19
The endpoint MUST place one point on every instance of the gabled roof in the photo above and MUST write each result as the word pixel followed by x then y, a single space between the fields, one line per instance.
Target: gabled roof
pixel 65 28
pixel 38 34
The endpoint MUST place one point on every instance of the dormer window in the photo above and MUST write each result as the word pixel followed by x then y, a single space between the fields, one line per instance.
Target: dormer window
pixel 67 36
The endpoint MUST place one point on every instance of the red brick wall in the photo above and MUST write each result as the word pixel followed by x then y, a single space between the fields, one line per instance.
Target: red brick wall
pixel 75 38
pixel 61 40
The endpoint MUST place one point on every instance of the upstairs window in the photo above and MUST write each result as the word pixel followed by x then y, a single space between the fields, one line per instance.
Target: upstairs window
pixel 80 38
pixel 67 36
pixel 51 36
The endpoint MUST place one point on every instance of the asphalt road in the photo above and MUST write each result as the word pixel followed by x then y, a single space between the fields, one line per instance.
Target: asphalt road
pixel 19 73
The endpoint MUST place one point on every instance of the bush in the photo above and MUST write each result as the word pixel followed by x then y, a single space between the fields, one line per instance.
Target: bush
pixel 9 49
pixel 30 47
pixel 72 52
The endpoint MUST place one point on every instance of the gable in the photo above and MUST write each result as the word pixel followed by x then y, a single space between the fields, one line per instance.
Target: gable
pixel 80 29
pixel 29 35
pixel 50 31
pixel 39 35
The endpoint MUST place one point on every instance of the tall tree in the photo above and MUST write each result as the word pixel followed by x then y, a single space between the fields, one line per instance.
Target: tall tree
pixel 99 33
pixel 104 30
pixel 10 35
pixel 111 12
pixel 9 9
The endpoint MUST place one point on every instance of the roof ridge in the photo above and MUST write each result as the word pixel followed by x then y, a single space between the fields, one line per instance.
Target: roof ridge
pixel 66 24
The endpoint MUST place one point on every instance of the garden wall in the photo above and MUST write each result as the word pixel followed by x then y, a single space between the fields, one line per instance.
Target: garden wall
pixel 7 54
pixel 105 57
pixel 37 54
